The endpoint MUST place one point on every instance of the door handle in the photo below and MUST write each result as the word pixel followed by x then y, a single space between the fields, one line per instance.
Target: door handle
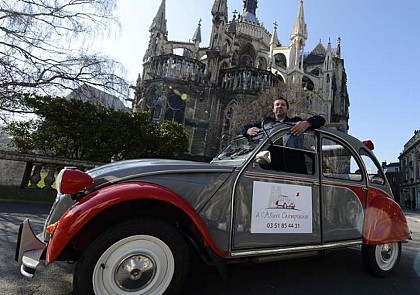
pixel 365 189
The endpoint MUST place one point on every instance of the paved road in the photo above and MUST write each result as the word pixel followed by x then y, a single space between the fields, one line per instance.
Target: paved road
pixel 340 272
pixel 49 280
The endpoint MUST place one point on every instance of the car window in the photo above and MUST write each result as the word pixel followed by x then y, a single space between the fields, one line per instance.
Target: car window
pixel 240 146
pixel 338 161
pixel 375 174
pixel 294 154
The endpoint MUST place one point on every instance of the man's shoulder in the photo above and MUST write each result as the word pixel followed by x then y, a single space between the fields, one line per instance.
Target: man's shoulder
pixel 294 119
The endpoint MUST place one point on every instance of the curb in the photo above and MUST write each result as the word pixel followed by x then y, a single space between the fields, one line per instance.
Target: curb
pixel 27 195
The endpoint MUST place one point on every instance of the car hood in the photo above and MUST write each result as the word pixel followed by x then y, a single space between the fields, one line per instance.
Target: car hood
pixel 149 169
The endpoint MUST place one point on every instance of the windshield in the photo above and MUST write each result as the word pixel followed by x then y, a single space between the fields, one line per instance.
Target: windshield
pixel 240 147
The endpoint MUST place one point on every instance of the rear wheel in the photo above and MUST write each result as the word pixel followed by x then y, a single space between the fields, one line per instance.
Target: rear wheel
pixel 135 257
pixel 382 260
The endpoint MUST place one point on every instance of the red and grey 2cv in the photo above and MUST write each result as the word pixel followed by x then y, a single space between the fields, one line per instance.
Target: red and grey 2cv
pixel 133 226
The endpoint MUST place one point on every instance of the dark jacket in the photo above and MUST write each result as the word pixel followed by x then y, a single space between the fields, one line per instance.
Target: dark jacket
pixel 316 122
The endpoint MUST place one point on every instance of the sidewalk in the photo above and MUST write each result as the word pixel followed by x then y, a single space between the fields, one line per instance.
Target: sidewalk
pixel 413 214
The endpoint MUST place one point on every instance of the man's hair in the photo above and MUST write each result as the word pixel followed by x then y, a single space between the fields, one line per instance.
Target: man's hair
pixel 282 98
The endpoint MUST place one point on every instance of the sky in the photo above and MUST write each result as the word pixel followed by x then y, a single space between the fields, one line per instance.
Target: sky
pixel 379 43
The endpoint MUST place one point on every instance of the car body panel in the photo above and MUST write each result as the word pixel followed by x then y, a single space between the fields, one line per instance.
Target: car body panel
pixel 135 169
pixel 256 223
pixel 342 214
pixel 78 216
pixel 385 222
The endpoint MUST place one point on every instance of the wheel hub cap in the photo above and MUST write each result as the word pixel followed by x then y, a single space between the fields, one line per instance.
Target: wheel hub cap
pixel 386 252
pixel 135 272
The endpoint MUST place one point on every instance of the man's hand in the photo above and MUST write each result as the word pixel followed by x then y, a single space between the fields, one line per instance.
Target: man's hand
pixel 299 127
pixel 253 131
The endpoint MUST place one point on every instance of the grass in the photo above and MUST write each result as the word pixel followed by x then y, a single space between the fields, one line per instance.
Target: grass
pixel 41 183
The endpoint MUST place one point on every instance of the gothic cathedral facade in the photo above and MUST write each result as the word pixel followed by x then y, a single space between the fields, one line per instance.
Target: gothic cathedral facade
pixel 198 87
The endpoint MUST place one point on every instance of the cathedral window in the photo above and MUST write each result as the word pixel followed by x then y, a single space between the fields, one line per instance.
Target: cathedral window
pixel 153 101
pixel 151 95
pixel 176 109
pixel 307 84
pixel 226 48
pixel 280 60
pixel 234 58
pixel 315 72
pixel 246 61
pixel 247 56
pixel 262 63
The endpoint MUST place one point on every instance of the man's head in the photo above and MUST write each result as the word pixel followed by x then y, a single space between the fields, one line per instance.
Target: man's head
pixel 280 107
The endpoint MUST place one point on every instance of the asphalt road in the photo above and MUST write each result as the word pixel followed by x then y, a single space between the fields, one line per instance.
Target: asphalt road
pixel 339 272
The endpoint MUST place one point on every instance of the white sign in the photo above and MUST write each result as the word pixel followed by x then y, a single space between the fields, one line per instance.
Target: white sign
pixel 281 208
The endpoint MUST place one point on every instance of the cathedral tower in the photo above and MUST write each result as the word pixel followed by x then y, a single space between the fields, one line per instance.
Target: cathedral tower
pixel 200 87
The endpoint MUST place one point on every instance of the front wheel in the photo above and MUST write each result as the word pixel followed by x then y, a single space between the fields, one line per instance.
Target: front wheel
pixel 135 257
pixel 382 260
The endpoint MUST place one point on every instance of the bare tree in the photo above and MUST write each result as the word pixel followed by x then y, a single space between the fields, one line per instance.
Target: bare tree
pixel 41 48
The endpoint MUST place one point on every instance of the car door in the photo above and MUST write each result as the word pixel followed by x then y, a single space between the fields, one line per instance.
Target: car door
pixel 277 204
pixel 343 191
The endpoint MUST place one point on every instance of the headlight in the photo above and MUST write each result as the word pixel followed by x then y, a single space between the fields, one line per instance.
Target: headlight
pixel 71 181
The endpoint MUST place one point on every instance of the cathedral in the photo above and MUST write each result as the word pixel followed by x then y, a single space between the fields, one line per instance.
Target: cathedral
pixel 197 85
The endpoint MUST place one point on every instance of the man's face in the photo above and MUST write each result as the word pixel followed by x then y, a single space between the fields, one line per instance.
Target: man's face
pixel 280 109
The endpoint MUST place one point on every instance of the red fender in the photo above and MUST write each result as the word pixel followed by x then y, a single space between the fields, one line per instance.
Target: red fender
pixel 384 220
pixel 79 215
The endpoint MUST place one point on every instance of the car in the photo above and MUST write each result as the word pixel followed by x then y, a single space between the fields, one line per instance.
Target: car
pixel 285 202
pixel 135 225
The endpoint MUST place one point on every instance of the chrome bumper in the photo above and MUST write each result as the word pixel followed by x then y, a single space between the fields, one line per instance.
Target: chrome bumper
pixel 29 249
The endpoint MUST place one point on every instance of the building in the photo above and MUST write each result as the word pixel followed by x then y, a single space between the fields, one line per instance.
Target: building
pixel 410 171
pixel 393 175
pixel 200 86
pixel 87 93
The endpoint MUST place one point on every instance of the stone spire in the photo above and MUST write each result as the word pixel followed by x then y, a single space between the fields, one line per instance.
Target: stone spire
pixel 274 42
pixel 299 36
pixel 274 37
pixel 159 21
pixel 299 29
pixel 197 35
pixel 338 47
pixel 158 34
pixel 249 14
pixel 250 6
pixel 220 10
pixel 232 24
pixel 220 19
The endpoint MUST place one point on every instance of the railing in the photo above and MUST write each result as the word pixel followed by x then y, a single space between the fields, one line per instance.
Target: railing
pixel 30 170
pixel 247 79
pixel 175 67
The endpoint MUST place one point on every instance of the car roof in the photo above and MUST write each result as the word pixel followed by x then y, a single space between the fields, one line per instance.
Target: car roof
pixel 349 139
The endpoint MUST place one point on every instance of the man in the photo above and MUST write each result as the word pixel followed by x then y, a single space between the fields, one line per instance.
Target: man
pixel 286 159
pixel 280 108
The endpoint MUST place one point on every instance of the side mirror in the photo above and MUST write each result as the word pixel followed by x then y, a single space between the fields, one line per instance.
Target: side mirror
pixel 376 179
pixel 263 157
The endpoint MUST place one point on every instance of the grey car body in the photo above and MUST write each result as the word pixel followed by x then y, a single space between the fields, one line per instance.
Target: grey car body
pixel 225 208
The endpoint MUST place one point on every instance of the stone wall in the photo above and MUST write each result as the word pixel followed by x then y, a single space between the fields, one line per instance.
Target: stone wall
pixel 11 172
pixel 30 177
